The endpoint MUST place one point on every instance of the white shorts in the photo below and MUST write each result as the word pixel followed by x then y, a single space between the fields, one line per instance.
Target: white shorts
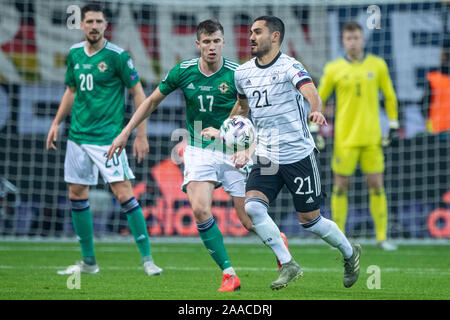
pixel 84 161
pixel 216 166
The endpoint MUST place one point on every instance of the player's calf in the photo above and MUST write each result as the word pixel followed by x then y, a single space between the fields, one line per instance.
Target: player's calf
pixel 266 229
pixel 330 233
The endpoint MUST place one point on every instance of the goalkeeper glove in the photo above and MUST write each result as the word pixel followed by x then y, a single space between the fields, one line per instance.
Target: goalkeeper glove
pixel 392 134
pixel 318 139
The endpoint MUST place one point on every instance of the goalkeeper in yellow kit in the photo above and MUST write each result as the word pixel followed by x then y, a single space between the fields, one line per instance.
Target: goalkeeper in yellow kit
pixel 356 79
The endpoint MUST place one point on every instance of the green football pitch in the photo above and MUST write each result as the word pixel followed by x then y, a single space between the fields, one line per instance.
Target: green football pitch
pixel 28 271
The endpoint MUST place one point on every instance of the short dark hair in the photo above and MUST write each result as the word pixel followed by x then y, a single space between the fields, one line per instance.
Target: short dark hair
pixel 274 24
pixel 95 7
pixel 351 26
pixel 209 27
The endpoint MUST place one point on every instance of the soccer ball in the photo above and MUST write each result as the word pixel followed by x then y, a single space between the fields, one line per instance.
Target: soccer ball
pixel 237 133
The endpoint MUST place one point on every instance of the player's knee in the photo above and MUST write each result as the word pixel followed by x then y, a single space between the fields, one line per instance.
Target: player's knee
pixel 308 217
pixel 341 182
pixel 77 192
pixel 122 198
pixel 340 192
pixel 201 213
pixel 122 190
pixel 379 191
pixel 375 184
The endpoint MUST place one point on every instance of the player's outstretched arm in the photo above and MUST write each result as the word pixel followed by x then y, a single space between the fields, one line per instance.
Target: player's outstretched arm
pixel 143 111
pixel 64 109
pixel 140 145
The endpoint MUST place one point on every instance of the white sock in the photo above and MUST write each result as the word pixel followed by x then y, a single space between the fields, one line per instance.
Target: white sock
pixel 330 233
pixel 266 229
pixel 229 270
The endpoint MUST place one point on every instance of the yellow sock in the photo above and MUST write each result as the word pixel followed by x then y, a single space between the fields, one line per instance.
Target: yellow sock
pixel 339 204
pixel 379 211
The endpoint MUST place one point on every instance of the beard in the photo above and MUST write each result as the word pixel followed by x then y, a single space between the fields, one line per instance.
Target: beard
pixel 261 50
pixel 93 41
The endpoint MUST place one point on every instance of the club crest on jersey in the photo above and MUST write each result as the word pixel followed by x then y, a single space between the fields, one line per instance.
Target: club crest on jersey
pixel 224 87
pixel 274 77
pixel 102 66
pixel 370 75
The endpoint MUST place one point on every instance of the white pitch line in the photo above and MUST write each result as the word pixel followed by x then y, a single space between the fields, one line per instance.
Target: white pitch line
pixel 419 271
pixel 302 251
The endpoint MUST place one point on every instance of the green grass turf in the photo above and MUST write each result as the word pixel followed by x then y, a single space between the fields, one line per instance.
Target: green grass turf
pixel 28 271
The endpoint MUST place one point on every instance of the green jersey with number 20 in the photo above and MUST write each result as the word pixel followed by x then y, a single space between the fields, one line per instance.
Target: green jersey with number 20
pixel 209 99
pixel 100 80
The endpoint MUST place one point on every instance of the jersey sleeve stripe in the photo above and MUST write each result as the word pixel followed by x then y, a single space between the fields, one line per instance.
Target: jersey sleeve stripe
pixel 188 63
pixel 184 66
pixel 78 45
pixel 301 83
pixel 232 64
pixel 230 67
pixel 114 48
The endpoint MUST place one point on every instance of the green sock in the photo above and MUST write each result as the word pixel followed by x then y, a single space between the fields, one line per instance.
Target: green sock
pixel 138 227
pixel 83 226
pixel 213 241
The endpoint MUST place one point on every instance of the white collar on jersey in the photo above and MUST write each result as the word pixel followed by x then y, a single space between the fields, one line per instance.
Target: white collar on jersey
pixel 94 53
pixel 209 75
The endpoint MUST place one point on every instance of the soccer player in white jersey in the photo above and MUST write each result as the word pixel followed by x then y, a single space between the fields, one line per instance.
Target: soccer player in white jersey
pixel 272 85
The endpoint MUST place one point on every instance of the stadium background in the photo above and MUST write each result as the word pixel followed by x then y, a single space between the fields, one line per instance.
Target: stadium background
pixel 35 37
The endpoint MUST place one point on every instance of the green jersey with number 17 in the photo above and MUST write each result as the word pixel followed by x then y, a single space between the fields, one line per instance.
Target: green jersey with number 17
pixel 100 79
pixel 209 98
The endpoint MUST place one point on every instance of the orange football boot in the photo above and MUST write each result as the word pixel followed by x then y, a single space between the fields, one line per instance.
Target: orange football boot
pixel 230 283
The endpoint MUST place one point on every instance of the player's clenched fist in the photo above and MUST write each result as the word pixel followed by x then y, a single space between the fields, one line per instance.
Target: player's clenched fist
pixel 318 118
pixel 210 133
pixel 241 158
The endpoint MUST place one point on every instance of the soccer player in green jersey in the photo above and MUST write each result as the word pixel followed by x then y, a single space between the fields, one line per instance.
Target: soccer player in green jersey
pixel 208 86
pixel 97 73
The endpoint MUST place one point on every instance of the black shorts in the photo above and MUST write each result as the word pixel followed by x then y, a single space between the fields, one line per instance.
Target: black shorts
pixel 301 178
